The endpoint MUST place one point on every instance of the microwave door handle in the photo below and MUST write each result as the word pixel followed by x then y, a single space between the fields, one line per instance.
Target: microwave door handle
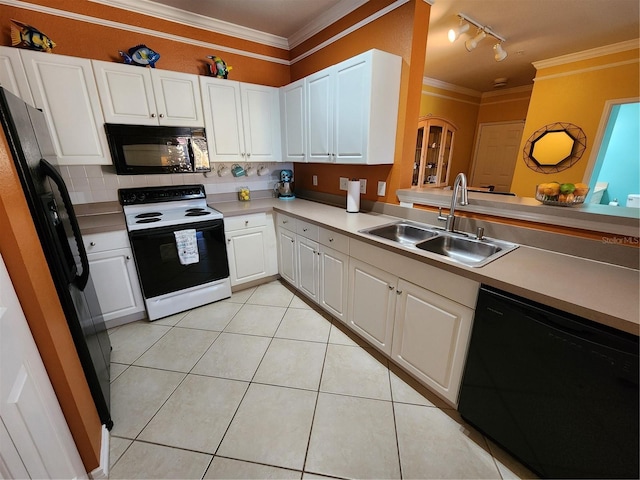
pixel 48 169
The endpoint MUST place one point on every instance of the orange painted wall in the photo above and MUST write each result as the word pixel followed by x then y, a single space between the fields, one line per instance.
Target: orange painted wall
pixel 575 93
pixel 30 276
pixel 403 32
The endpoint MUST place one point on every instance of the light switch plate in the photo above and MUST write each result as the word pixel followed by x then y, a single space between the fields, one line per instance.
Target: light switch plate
pixel 382 189
pixel 363 185
pixel 344 183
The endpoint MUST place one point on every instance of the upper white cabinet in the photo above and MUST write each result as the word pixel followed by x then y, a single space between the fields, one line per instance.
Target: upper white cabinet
pixel 148 96
pixel 293 120
pixel 12 76
pixel 64 88
pixel 242 121
pixel 352 110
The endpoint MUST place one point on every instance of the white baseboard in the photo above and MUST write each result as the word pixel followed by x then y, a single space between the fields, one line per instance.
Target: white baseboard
pixel 102 472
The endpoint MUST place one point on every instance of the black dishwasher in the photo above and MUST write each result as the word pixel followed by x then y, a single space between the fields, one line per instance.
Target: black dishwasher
pixel 557 391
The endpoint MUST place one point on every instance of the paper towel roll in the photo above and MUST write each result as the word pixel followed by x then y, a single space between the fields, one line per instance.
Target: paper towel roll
pixel 353 196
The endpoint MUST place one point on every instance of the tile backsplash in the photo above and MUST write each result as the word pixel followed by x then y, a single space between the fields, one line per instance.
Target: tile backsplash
pixel 99 183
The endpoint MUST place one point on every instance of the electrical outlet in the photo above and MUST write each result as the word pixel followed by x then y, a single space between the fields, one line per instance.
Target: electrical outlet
pixel 382 189
pixel 344 183
pixel 315 180
pixel 363 185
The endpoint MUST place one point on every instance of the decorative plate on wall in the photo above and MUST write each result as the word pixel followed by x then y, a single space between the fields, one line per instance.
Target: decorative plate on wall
pixel 554 147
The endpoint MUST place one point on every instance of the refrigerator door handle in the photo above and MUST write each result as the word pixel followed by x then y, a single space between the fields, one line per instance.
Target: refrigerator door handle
pixel 48 169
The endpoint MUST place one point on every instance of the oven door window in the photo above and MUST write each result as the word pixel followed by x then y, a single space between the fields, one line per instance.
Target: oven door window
pixel 159 266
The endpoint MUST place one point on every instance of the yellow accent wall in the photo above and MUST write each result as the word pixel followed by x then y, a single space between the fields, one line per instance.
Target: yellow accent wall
pixel 575 93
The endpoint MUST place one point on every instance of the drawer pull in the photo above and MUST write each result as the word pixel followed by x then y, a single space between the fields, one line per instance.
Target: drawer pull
pixel 285 221
pixel 93 244
pixel 153 115
pixel 228 240
pixel 331 239
pixel 399 292
pixel 390 287
pixel 305 229
pixel 128 257
pixel 246 222
pixel 161 115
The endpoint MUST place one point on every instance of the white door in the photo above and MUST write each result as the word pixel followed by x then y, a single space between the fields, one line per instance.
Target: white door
pixel 65 89
pixel 35 439
pixel 261 123
pixel 178 99
pixel 351 118
pixel 12 76
pixel 320 116
pixel 223 119
pixel 430 338
pixel 372 302
pixel 334 277
pixel 293 121
pixel 497 150
pixel 287 262
pixel 126 93
pixel 246 252
pixel 308 265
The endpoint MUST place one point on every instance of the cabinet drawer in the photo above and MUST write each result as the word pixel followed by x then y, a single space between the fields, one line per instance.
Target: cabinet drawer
pixel 306 229
pixel 285 221
pixel 242 222
pixel 335 240
pixel 100 242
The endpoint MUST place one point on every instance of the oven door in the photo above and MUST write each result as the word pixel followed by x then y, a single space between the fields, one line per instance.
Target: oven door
pixel 159 266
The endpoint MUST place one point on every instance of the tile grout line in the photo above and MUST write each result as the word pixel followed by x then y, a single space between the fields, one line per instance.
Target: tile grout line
pixel 395 423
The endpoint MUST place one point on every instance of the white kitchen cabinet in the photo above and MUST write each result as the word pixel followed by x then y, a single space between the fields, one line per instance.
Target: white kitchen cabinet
pixel 430 338
pixel 334 277
pixel 148 96
pixel 352 110
pixel 242 121
pixel 287 257
pixel 293 121
pixel 64 89
pixel 251 247
pixel 308 252
pixel 372 302
pixel 12 75
pixel 115 277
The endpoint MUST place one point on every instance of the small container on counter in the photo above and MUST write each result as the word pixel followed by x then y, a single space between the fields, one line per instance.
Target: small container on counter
pixel 244 194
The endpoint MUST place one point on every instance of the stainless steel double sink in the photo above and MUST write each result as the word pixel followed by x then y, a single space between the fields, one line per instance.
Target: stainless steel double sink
pixel 458 247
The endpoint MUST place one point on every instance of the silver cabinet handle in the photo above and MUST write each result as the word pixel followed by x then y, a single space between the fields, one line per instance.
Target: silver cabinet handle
pixel 153 115
pixel 228 240
pixel 305 229
pixel 331 239
pixel 161 115
pixel 390 287
pixel 93 244
pixel 128 257
pixel 399 292
pixel 246 223
pixel 285 221
pixel 248 154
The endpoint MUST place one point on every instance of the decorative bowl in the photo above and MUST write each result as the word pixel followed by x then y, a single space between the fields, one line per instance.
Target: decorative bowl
pixel 562 200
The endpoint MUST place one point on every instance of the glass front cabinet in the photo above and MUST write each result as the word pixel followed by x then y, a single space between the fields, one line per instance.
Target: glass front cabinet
pixel 434 148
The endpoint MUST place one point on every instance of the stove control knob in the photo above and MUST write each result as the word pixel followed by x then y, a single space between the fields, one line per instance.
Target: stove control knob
pixel 141 196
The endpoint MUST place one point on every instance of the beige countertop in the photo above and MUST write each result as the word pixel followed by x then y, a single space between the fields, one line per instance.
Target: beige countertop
pixel 605 293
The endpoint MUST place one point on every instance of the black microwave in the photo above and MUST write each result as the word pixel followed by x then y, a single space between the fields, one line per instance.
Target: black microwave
pixel 141 149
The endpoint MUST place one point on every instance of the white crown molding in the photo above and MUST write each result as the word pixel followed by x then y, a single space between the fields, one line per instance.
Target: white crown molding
pixel 324 20
pixel 434 82
pixel 140 30
pixel 447 97
pixel 590 69
pixel 172 14
pixel 588 54
pixel 507 91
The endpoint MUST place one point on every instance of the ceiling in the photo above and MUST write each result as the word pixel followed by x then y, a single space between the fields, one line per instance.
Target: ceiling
pixel 534 30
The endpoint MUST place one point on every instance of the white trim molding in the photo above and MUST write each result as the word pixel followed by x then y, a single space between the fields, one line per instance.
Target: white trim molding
pixel 588 54
pixel 102 470
pixel 447 97
pixel 589 69
pixel 434 82
pixel 507 91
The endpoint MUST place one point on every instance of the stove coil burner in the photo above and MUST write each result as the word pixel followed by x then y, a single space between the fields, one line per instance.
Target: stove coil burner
pixel 196 212
pixel 148 215
pixel 147 220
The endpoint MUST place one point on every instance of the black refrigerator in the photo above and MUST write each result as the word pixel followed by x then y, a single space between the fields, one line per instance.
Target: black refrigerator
pixel 32 150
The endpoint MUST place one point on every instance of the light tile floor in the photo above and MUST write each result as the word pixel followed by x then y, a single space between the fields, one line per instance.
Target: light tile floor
pixel 264 386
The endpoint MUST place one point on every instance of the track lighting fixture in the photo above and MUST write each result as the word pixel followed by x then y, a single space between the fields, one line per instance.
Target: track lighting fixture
pixel 499 53
pixel 482 32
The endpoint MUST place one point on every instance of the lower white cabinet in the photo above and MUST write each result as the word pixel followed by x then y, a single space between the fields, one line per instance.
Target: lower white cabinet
pixel 430 338
pixel 250 247
pixel 372 302
pixel 308 252
pixel 334 274
pixel 115 278
pixel 287 258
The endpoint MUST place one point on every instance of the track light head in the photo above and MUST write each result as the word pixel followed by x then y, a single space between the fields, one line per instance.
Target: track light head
pixel 454 33
pixel 499 53
pixel 472 43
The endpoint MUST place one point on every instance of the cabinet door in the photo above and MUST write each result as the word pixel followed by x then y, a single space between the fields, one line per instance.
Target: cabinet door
pixel 126 93
pixel 287 262
pixel 293 121
pixel 334 277
pixel 320 116
pixel 430 338
pixel 116 282
pixel 308 266
pixel 351 117
pixel 261 123
pixel 177 97
pixel 372 301
pixel 246 252
pixel 12 76
pixel 65 89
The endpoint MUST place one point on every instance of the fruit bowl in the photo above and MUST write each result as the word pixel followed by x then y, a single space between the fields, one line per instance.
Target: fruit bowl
pixel 562 194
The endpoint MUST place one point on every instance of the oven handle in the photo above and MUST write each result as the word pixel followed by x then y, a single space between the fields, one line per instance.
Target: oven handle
pixel 48 169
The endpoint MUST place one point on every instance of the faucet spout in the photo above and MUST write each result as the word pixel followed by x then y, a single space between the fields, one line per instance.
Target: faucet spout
pixel 460 184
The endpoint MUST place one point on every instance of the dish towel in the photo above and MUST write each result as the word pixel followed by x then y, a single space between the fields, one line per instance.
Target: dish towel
pixel 187 246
